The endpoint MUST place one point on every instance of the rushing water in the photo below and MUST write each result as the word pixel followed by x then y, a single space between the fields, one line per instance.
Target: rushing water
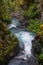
pixel 14 23
pixel 25 41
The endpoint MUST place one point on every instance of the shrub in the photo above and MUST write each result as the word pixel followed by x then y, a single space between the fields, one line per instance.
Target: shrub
pixel 40 57
pixel 32 11
pixel 8 43
pixel 34 25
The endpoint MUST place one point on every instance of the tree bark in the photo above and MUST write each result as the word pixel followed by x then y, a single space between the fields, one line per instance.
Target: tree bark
pixel 41 11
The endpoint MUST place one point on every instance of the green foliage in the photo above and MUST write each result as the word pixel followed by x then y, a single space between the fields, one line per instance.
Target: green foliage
pixel 11 4
pixel 40 57
pixel 6 7
pixel 32 11
pixel 33 14
pixel 18 3
pixel 4 11
pixel 40 47
pixel 8 42
pixel 34 25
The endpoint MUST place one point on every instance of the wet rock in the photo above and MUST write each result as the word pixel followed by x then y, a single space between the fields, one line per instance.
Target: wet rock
pixel 31 61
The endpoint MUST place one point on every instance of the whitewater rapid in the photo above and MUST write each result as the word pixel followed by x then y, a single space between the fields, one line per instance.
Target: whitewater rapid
pixel 25 39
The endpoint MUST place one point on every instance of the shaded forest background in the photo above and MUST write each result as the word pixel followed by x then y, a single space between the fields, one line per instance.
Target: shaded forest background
pixel 32 11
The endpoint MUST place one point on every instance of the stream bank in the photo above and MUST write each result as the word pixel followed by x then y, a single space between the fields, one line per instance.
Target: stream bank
pixel 8 44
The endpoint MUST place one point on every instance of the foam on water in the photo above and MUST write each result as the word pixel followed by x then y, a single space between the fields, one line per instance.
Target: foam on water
pixel 11 26
pixel 26 38
pixel 25 41
pixel 14 23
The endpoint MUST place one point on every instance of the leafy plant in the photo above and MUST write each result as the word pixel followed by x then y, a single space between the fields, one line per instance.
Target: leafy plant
pixel 4 11
pixel 32 11
pixel 40 57
pixel 8 42
pixel 34 25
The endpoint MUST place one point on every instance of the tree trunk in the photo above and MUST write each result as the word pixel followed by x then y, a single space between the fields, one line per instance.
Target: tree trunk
pixel 41 11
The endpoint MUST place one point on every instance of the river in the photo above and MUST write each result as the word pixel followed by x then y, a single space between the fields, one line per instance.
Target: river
pixel 25 42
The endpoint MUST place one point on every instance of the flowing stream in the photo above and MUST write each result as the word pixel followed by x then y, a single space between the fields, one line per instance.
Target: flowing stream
pixel 25 42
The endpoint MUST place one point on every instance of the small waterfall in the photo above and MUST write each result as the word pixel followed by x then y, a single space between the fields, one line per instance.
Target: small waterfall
pixel 25 41
pixel 11 26
pixel 15 23
pixel 26 38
